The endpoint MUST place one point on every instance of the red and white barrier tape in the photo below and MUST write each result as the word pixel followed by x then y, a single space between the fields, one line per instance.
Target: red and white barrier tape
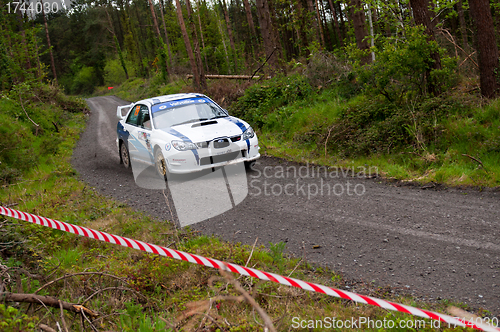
pixel 176 254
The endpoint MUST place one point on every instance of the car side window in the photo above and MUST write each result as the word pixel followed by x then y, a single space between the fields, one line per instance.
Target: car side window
pixel 133 117
pixel 144 118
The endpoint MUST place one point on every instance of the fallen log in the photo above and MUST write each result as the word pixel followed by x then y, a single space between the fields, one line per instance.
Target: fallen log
pixel 230 77
pixel 46 300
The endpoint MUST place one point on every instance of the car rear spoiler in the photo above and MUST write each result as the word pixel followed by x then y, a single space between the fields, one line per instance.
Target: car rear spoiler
pixel 119 114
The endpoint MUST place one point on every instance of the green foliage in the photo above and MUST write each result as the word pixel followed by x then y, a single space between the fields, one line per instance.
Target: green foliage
pixel 276 252
pixel 403 69
pixel 262 99
pixel 134 319
pixel 85 81
pixel 324 69
pixel 114 73
pixel 13 321
pixel 18 52
pixel 22 143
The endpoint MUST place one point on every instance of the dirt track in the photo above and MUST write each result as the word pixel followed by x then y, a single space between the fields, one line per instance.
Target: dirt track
pixel 431 243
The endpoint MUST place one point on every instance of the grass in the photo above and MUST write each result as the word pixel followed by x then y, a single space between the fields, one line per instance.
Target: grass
pixel 149 292
pixel 464 152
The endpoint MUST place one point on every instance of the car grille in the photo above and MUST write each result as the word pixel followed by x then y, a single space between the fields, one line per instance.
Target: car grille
pixel 221 158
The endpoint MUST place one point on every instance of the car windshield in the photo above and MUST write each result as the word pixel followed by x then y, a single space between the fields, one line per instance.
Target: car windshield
pixel 172 114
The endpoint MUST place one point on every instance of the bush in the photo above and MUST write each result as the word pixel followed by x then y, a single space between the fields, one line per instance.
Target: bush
pixel 403 68
pixel 114 73
pixel 22 143
pixel 84 81
pixel 373 125
pixel 324 69
pixel 262 99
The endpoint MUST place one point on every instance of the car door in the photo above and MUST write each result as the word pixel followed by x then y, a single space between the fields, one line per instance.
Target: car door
pixel 138 124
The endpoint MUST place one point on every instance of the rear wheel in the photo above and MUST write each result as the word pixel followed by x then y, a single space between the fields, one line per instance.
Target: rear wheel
pixel 124 155
pixel 160 164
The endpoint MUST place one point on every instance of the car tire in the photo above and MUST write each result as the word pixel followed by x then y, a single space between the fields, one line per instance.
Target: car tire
pixel 124 155
pixel 249 165
pixel 160 164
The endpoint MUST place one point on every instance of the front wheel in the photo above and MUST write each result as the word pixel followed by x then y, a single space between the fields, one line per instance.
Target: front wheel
pixel 160 164
pixel 249 165
pixel 124 155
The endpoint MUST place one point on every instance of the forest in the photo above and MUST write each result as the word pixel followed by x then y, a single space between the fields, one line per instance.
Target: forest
pixel 93 43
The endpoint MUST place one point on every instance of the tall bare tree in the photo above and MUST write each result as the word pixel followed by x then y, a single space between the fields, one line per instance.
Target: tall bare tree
pixel 320 26
pixel 164 64
pixel 463 26
pixel 313 20
pixel 187 43
pixel 421 16
pixel 336 23
pixel 229 32
pixel 196 43
pixel 272 47
pixel 248 11
pixel 486 47
pixel 166 35
pixel 358 20
pixel 52 62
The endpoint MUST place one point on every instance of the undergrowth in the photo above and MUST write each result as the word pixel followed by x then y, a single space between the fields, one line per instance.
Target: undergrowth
pixel 412 122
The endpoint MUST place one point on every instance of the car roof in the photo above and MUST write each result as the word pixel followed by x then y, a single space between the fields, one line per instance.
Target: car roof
pixel 163 99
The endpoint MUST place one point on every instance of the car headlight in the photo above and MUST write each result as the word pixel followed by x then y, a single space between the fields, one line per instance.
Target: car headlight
pixel 183 145
pixel 249 133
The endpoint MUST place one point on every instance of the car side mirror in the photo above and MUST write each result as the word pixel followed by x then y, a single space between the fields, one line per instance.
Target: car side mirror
pixel 119 113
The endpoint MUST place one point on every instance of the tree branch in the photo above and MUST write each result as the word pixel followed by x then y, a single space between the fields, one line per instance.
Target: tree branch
pixel 46 300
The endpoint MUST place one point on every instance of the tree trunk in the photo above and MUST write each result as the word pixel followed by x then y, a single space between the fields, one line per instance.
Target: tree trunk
pixel 23 35
pixel 222 37
pixel 272 47
pixel 301 31
pixel 358 21
pixel 199 63
pixel 248 11
pixel 336 23
pixel 421 17
pixel 463 26
pixel 230 33
pixel 313 20
pixel 338 8
pixel 372 36
pixel 117 44
pixel 324 24
pixel 486 47
pixel 52 62
pixel 164 64
pixel 321 34
pixel 166 35
pixel 201 35
pixel 187 43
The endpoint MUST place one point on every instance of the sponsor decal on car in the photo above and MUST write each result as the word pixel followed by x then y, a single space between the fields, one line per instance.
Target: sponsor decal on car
pixel 168 146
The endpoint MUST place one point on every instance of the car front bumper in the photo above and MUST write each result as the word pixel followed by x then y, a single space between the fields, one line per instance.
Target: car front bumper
pixel 182 162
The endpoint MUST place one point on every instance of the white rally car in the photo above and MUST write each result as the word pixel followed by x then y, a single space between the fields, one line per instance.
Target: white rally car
pixel 183 133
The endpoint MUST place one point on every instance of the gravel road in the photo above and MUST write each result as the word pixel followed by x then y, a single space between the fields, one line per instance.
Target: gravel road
pixel 432 243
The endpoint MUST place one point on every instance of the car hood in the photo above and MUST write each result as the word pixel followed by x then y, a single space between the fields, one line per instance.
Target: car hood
pixel 221 127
